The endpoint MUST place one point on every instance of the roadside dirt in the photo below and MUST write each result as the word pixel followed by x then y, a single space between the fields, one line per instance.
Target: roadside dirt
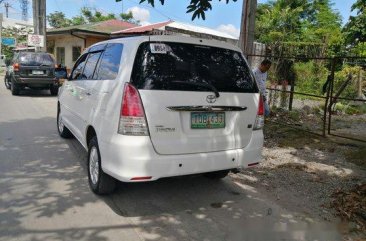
pixel 314 176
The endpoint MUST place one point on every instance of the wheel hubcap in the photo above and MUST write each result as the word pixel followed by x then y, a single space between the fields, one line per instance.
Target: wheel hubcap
pixel 94 165
pixel 60 124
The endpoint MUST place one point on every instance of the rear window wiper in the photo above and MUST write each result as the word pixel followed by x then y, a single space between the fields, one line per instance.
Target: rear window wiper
pixel 211 87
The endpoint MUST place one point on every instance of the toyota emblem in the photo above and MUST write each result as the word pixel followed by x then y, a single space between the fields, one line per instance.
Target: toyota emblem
pixel 211 99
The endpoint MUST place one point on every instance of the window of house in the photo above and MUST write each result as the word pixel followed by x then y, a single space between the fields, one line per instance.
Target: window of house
pixel 76 51
pixel 60 55
pixel 110 61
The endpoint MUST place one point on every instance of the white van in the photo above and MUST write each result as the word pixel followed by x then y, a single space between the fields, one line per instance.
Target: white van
pixel 159 106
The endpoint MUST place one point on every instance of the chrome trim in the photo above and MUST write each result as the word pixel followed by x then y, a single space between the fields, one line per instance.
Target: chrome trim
pixel 206 108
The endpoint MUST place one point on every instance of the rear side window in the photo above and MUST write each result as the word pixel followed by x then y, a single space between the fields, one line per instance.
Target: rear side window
pixel 90 65
pixel 36 59
pixel 188 67
pixel 109 63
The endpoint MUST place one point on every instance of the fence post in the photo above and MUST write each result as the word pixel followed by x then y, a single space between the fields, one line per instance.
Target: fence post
pixel 331 87
pixel 291 95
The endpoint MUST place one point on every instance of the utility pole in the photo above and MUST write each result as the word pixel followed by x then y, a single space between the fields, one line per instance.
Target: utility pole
pixel 7 6
pixel 247 29
pixel 39 20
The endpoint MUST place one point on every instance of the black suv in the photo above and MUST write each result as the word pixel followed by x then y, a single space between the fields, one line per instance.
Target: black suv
pixel 34 70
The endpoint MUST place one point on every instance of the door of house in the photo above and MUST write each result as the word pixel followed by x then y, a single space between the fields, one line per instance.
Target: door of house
pixel 60 55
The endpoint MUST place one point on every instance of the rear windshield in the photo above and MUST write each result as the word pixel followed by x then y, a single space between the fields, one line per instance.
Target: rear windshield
pixel 188 67
pixel 36 59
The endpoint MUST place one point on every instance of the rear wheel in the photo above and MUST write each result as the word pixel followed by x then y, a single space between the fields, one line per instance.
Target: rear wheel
pixel 54 90
pixel 15 88
pixel 62 129
pixel 217 174
pixel 7 83
pixel 99 182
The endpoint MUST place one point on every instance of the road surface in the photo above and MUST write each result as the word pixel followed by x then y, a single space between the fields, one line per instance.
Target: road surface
pixel 45 193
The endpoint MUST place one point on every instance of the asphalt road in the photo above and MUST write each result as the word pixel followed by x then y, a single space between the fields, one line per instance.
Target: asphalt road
pixel 45 193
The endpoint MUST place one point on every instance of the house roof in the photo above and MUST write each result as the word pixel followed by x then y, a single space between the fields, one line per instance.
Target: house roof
pixel 145 28
pixel 168 25
pixel 104 27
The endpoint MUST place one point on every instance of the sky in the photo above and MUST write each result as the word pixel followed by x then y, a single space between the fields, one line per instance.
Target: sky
pixel 223 17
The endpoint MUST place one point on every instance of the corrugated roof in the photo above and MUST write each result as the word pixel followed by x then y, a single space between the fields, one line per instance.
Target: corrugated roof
pixel 199 29
pixel 143 29
pixel 175 25
pixel 105 27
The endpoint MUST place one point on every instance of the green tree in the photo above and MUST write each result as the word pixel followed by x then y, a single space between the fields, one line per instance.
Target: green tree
pixel 355 30
pixel 58 20
pixel 196 7
pixel 128 17
pixel 87 15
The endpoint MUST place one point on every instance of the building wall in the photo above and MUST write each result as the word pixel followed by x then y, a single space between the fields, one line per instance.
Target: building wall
pixel 92 40
pixel 66 41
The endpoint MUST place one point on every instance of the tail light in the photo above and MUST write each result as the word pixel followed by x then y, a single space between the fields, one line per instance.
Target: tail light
pixel 132 119
pixel 16 67
pixel 259 120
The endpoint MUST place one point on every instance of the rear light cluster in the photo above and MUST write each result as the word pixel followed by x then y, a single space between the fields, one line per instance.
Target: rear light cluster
pixel 16 67
pixel 259 120
pixel 132 119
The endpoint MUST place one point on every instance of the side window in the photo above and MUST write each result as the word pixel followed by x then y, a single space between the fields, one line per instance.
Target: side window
pixel 78 68
pixel 90 65
pixel 109 64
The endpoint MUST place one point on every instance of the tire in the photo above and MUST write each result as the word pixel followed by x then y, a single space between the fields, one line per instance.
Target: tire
pixel 15 88
pixel 7 83
pixel 99 182
pixel 54 90
pixel 217 174
pixel 63 131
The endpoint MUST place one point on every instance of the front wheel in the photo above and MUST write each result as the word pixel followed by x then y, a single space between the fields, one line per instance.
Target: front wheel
pixel 63 131
pixel 99 182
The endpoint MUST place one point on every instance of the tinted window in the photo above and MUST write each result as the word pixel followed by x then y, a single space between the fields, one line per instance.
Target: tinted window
pixel 110 62
pixel 36 59
pixel 178 66
pixel 78 69
pixel 90 65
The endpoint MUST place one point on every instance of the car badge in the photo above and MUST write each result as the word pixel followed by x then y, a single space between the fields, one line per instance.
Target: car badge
pixel 211 99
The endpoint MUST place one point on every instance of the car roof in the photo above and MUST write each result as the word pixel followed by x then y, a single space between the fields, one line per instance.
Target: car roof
pixel 170 38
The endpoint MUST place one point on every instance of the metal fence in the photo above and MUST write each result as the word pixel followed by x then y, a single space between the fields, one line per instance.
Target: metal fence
pixel 317 94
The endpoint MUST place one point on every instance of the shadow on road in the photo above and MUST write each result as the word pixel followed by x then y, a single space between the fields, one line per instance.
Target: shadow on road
pixel 44 186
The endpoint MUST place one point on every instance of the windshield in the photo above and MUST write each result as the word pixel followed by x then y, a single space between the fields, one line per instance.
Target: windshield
pixel 188 67
pixel 36 59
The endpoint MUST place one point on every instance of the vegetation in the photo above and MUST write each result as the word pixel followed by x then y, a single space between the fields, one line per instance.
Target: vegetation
pixel 197 7
pixel 59 20
pixel 311 29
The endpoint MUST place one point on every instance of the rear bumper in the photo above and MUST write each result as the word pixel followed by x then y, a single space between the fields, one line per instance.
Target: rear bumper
pixel 40 81
pixel 127 157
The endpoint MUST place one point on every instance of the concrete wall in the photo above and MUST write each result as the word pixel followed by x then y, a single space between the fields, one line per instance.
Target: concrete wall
pixel 66 41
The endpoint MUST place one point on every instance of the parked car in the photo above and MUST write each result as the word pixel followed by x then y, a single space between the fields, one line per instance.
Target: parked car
pixel 150 107
pixel 34 70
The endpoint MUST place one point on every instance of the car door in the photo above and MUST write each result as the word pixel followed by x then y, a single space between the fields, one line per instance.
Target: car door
pixel 89 92
pixel 70 98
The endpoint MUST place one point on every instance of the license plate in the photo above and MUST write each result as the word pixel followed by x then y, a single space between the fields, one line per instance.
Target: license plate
pixel 207 120
pixel 37 72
